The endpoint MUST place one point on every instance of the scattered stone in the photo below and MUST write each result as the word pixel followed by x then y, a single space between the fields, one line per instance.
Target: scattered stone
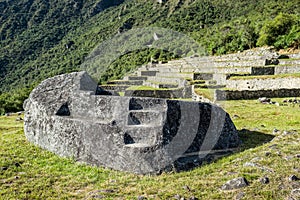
pixel 141 198
pixel 17 164
pixel 187 188
pixel 7 114
pixel 250 164
pixel 297 156
pixel 235 184
pixel 95 195
pixel 107 191
pixel 268 153
pixel 286 133
pixel 177 196
pixel 235 117
pixel 293 178
pixel 19 113
pixel 231 173
pixel 276 131
pixel 4 168
pixel 264 100
pixel 193 198
pixel 265 180
pixel 273 146
pixel 18 119
pixel 240 196
pixel 295 194
pixel 288 158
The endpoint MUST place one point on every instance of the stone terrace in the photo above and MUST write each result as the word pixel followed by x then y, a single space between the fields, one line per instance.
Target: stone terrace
pixel 246 75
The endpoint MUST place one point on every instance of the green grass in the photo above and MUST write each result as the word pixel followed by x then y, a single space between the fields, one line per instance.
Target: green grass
pixel 33 173
pixel 143 87
pixel 295 75
pixel 206 93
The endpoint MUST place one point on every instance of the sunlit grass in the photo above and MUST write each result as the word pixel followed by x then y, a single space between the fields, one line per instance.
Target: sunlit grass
pixel 28 172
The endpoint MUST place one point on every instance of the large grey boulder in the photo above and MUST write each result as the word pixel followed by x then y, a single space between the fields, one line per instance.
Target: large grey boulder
pixel 72 117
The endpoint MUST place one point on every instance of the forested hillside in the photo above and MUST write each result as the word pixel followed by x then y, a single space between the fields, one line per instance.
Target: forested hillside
pixel 40 38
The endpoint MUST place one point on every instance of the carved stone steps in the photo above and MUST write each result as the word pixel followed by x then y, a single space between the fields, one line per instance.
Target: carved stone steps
pixel 144 134
pixel 144 117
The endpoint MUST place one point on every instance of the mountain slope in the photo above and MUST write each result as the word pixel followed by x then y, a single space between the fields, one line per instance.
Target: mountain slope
pixel 40 39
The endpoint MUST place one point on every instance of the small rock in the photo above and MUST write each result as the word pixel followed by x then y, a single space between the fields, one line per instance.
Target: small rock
pixel 297 156
pixel 287 158
pixel 235 184
pixel 4 168
pixel 268 153
pixel 295 193
pixel 265 180
pixel 293 178
pixel 177 196
pixel 250 164
pixel 141 198
pixel 96 196
pixel 264 100
pixel 18 119
pixel 273 146
pixel 17 164
pixel 240 196
pixel 235 117
pixel 106 191
pixel 276 131
pixel 187 188
pixel 287 133
pixel 193 198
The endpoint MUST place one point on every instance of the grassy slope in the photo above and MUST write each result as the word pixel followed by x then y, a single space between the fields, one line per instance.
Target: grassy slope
pixel 34 46
pixel 43 175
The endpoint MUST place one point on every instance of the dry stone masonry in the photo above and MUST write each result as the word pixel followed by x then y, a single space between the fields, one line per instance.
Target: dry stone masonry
pixel 263 71
pixel 73 117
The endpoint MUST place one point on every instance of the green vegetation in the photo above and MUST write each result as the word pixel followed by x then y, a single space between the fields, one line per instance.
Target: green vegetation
pixel 40 39
pixel 282 32
pixel 28 172
pixel 142 87
pixel 206 93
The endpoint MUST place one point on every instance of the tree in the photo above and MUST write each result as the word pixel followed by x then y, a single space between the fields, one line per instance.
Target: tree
pixel 273 29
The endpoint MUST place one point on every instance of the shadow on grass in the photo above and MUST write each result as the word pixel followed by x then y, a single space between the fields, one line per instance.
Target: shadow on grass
pixel 252 139
pixel 249 139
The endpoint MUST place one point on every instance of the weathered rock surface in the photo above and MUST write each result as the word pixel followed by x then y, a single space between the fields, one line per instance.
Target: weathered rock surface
pixel 72 117
pixel 235 184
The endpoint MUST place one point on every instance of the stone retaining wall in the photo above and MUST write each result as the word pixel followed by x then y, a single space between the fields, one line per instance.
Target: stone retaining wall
pixel 261 84
pixel 221 95
pixel 185 92
pixel 287 69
